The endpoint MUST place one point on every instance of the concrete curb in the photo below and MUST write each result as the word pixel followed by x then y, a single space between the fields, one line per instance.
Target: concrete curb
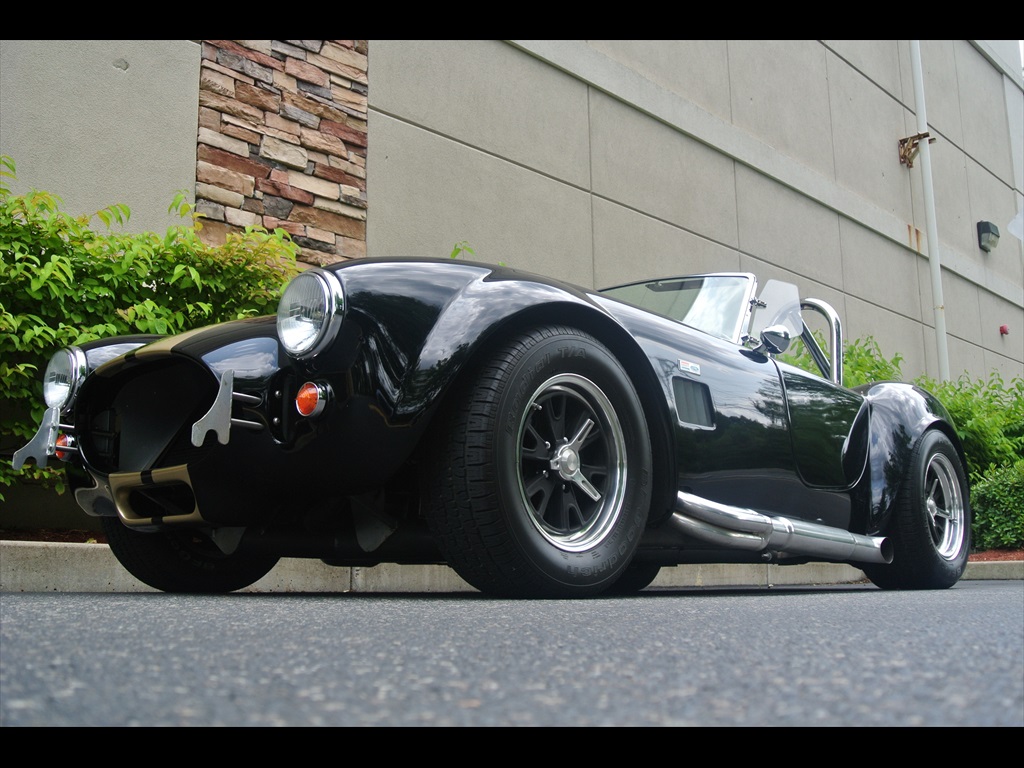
pixel 49 567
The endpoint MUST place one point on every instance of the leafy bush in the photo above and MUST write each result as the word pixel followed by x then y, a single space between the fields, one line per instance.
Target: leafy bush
pixel 989 417
pixel 997 501
pixel 63 283
pixel 863 362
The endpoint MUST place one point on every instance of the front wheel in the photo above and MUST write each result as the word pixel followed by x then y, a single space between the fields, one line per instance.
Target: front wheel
pixel 540 486
pixel 636 577
pixel 931 523
pixel 183 560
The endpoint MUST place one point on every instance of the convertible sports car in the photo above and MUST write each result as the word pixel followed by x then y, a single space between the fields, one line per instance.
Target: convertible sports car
pixel 542 439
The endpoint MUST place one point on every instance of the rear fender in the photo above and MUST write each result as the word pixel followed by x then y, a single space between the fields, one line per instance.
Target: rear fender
pixel 900 415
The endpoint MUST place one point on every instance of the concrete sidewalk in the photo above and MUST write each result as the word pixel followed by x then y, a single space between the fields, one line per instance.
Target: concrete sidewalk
pixel 47 567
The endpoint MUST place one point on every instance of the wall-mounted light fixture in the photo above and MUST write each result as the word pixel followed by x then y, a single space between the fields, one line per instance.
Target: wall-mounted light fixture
pixel 988 235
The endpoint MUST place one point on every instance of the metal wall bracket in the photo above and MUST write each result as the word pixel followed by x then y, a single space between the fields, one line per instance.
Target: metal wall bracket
pixel 909 148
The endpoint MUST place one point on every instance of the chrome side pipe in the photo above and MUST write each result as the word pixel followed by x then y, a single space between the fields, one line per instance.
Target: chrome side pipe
pixel 749 530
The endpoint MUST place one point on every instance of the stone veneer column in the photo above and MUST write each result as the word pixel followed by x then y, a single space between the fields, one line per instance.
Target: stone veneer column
pixel 282 142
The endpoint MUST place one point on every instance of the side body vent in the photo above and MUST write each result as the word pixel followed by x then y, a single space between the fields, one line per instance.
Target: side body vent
pixel 693 403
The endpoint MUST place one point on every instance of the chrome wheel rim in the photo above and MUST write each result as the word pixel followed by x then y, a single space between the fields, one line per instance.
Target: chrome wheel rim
pixel 571 462
pixel 944 507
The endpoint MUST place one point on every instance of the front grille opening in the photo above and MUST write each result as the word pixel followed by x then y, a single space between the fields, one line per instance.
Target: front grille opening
pixel 133 419
pixel 165 500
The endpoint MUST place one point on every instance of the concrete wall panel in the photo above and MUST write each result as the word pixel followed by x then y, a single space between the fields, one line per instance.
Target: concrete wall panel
pixel 952 198
pixel 644 164
pixel 488 95
pixel 877 60
pixel 697 70
pixel 1004 352
pixel 960 309
pixel 780 95
pixel 894 333
pixel 788 230
pixel 991 200
pixel 629 245
pixel 983 111
pixel 867 124
pixel 99 122
pixel 965 358
pixel 879 271
pixel 427 193
pixel 1007 368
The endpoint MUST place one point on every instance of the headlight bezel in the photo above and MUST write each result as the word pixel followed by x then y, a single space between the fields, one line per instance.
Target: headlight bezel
pixel 309 314
pixel 65 372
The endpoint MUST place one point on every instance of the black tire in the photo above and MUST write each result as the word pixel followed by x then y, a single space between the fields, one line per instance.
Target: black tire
pixel 636 577
pixel 183 560
pixel 540 485
pixel 931 525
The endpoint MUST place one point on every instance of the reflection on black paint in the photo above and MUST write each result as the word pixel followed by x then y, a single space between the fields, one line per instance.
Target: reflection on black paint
pixel 823 416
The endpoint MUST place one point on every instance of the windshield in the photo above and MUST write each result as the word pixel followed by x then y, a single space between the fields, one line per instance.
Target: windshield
pixel 715 304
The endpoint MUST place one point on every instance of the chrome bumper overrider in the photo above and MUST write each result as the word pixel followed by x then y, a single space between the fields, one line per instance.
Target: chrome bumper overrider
pixel 218 419
pixel 44 444
pixel 746 529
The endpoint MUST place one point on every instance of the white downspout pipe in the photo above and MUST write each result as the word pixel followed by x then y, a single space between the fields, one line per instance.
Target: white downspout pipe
pixel 934 260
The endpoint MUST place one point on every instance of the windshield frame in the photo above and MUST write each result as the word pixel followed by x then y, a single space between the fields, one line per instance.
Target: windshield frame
pixel 731 323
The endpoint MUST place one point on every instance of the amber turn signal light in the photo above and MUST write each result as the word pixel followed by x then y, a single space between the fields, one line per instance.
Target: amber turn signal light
pixel 311 398
pixel 63 441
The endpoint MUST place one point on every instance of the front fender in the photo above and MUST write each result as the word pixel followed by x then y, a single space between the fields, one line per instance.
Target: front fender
pixel 420 323
pixel 496 304
pixel 463 329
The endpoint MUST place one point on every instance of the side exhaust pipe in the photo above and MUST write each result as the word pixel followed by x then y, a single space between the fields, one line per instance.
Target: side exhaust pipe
pixel 740 528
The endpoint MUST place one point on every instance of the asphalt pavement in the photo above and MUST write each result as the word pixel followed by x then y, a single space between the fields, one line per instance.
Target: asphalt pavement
pixel 52 567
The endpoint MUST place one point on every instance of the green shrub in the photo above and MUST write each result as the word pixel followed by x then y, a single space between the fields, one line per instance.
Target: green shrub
pixel 988 416
pixel 863 362
pixel 63 283
pixel 997 501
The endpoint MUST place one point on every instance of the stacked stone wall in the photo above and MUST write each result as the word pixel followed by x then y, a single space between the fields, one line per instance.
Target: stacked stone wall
pixel 282 142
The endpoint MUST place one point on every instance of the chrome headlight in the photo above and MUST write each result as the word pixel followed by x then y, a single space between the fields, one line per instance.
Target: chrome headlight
pixel 310 312
pixel 64 373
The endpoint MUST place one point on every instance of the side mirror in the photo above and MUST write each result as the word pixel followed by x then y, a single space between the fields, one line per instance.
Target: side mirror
pixel 775 339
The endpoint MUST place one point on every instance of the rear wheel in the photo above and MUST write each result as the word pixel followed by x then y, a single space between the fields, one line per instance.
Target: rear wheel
pixel 931 523
pixel 541 484
pixel 183 560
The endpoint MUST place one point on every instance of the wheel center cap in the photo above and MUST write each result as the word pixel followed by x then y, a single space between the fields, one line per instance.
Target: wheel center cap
pixel 566 461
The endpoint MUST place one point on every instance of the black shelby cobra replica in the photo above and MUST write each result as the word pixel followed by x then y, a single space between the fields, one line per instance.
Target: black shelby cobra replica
pixel 542 439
